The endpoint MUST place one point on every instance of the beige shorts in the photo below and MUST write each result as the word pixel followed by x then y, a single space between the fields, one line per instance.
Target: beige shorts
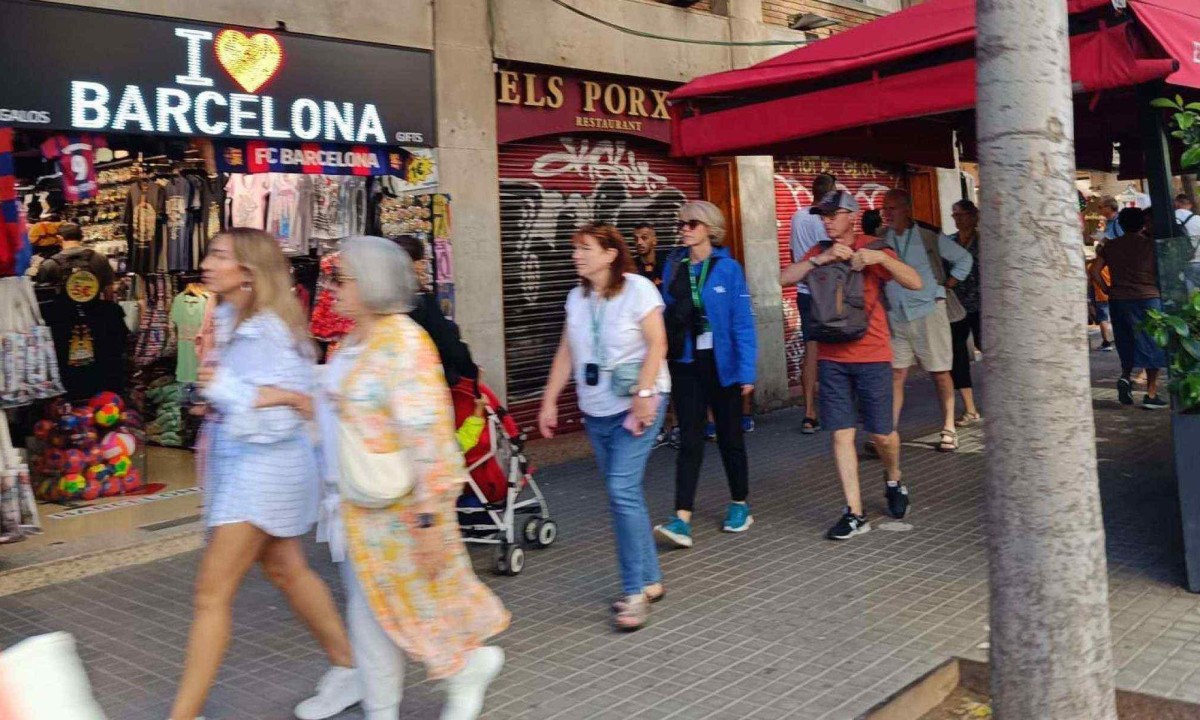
pixel 925 341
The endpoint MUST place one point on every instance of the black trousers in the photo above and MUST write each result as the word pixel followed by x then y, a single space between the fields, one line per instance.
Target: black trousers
pixel 695 387
pixel 960 371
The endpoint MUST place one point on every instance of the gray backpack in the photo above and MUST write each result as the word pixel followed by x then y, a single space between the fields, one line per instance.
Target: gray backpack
pixel 839 313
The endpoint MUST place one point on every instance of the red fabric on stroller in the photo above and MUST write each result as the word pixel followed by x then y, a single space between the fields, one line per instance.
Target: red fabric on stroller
pixel 491 478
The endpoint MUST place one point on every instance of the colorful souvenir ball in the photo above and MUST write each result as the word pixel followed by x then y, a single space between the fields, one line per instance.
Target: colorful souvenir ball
pixel 91 491
pixel 111 487
pixel 87 439
pixel 43 428
pixel 99 472
pixel 95 456
pixel 121 466
pixel 54 458
pixel 116 444
pixel 69 423
pixel 106 398
pixel 74 462
pixel 108 415
pixel 85 415
pixel 71 484
pixel 132 481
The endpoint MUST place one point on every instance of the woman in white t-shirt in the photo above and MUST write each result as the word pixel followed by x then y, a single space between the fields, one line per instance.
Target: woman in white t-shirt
pixel 614 347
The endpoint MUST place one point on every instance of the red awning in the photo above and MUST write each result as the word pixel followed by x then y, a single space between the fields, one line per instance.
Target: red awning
pixel 904 100
pixel 1175 25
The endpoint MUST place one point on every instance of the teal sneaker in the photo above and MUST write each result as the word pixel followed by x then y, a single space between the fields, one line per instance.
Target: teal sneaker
pixel 738 519
pixel 677 532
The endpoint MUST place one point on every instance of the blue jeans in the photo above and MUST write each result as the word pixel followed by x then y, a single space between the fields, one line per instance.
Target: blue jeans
pixel 622 459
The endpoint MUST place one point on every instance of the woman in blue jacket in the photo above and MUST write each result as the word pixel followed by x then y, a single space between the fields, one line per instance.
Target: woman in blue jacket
pixel 712 351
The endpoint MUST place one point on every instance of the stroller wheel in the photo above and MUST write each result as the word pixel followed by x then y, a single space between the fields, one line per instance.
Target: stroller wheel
pixel 547 533
pixel 510 560
pixel 531 530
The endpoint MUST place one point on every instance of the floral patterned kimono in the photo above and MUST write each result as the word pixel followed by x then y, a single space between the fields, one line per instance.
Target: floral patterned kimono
pixel 396 396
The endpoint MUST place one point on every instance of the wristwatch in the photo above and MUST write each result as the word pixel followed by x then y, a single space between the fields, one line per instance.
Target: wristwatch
pixel 645 393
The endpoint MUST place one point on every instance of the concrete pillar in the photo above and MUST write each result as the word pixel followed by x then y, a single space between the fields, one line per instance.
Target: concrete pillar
pixel 760 247
pixel 467 155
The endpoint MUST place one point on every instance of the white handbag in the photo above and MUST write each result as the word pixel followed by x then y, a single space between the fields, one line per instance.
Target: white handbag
pixel 24 669
pixel 367 479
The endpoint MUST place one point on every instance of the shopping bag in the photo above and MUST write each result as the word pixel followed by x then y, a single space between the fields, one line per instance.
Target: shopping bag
pixel 29 695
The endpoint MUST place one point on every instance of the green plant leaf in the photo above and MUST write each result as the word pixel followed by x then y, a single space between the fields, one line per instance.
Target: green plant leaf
pixel 1177 324
pixel 1193 106
pixel 1179 101
pixel 1185 120
pixel 1191 345
pixel 1191 157
pixel 1166 103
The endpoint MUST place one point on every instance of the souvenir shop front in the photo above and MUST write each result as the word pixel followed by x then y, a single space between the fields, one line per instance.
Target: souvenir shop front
pixel 118 165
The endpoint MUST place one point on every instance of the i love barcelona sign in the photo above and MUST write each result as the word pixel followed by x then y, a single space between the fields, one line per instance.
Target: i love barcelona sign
pixel 75 69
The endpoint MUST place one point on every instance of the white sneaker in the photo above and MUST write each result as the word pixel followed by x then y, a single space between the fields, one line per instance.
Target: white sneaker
pixel 465 691
pixel 338 689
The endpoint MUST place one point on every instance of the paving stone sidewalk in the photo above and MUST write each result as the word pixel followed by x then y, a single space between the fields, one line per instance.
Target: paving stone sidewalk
pixel 776 623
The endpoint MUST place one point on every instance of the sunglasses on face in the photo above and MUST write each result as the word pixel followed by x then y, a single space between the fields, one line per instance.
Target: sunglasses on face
pixel 689 224
pixel 341 278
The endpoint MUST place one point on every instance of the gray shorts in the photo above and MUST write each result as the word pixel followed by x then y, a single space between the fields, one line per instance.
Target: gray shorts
pixel 925 341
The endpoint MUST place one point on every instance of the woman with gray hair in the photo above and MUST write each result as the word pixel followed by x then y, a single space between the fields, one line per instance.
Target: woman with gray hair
pixel 409 582
pixel 712 350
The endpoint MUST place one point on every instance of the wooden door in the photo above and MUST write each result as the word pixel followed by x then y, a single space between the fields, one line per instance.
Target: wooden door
pixel 720 187
pixel 923 186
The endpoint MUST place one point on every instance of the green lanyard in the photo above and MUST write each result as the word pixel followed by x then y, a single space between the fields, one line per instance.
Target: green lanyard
pixel 697 299
pixel 598 309
pixel 907 242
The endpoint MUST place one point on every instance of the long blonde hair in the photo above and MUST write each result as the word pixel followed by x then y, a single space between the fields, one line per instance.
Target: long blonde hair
pixel 258 252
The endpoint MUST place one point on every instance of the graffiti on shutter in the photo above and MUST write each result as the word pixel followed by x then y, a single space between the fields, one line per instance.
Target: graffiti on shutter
pixel 548 188
pixel 794 178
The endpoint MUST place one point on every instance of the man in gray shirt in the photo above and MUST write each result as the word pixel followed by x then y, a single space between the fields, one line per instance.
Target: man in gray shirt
pixel 920 324
pixel 75 256
pixel 808 231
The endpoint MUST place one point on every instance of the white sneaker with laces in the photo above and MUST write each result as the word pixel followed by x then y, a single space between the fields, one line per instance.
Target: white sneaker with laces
pixel 465 691
pixel 338 689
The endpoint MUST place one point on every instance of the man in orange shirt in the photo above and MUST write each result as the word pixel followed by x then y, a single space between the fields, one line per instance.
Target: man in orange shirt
pixel 856 376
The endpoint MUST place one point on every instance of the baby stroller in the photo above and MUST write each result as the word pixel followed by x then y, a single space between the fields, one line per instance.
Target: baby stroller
pixel 502 503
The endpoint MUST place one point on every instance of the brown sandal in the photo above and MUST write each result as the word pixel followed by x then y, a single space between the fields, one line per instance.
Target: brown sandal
pixel 949 442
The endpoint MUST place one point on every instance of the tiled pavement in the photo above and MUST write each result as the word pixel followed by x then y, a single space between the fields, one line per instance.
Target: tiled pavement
pixel 778 623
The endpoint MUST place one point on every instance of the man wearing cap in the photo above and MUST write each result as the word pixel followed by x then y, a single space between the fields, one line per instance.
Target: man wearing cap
pixel 920 324
pixel 856 376
pixel 807 232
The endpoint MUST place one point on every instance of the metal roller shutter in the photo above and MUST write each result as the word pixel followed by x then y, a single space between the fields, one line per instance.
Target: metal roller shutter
pixel 548 188
pixel 794 177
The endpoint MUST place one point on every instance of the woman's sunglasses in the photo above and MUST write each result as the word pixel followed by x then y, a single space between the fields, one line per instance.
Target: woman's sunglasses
pixel 341 278
pixel 689 224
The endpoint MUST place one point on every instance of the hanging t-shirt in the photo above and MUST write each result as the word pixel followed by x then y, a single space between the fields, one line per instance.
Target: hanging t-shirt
pixel 178 199
pixel 248 200
pixel 187 315
pixel 214 215
pixel 77 162
pixel 90 340
pixel 142 209
pixel 286 217
pixel 326 207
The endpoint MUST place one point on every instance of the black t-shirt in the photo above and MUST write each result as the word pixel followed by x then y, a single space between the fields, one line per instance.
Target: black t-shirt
pixel 653 273
pixel 90 340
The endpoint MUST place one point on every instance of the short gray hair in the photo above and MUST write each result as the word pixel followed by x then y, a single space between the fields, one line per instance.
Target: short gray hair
pixel 1110 202
pixel 387 282
pixel 901 194
pixel 708 214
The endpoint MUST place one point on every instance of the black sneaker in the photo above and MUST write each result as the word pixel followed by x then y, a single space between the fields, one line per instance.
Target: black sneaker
pixel 1107 346
pixel 897 500
pixel 1125 391
pixel 849 526
pixel 1154 403
pixel 810 426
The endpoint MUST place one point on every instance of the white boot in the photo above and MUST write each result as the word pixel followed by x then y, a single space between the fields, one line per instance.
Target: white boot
pixel 465 691
pixel 339 688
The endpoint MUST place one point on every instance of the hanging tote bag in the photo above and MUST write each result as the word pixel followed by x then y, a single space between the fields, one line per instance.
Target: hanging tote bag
pixel 25 692
pixel 367 479
pixel 954 309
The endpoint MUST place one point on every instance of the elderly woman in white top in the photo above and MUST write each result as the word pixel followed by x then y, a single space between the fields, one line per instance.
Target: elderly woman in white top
pixel 261 484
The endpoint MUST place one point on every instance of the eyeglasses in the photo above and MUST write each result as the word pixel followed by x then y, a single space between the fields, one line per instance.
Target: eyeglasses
pixel 341 278
pixel 689 224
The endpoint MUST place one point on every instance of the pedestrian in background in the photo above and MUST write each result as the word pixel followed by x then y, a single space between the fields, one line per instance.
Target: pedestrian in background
pixel 410 586
pixel 920 319
pixel 613 345
pixel 712 350
pixel 261 485
pixel 1132 293
pixel 966 220
pixel 806 233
